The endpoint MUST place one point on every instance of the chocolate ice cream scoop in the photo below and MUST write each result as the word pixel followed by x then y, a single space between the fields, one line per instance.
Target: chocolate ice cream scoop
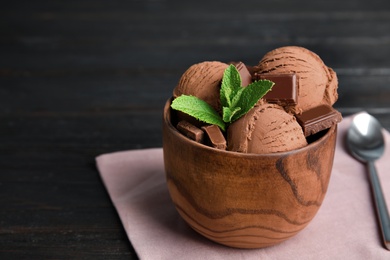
pixel 202 80
pixel 265 129
pixel 317 83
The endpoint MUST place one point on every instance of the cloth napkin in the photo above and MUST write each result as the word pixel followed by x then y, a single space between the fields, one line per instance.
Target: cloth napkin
pixel 345 227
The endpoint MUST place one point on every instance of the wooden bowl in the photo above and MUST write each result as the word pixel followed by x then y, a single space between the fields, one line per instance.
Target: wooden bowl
pixel 246 200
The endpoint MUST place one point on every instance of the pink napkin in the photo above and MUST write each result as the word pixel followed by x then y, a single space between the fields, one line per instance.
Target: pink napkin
pixel 345 227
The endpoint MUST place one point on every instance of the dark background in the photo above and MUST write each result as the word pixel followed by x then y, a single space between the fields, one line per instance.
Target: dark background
pixel 86 77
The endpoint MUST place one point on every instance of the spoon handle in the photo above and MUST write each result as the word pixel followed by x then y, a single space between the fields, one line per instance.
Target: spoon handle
pixel 380 204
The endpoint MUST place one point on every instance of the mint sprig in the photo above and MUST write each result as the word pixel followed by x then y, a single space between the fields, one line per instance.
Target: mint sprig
pixel 199 109
pixel 236 100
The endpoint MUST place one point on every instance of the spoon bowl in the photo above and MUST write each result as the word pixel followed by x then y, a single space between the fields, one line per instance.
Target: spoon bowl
pixel 365 140
pixel 366 143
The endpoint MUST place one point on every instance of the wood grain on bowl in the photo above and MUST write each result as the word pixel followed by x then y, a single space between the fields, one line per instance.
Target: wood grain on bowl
pixel 246 200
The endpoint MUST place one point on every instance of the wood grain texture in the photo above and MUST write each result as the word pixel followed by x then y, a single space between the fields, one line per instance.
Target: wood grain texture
pixel 246 200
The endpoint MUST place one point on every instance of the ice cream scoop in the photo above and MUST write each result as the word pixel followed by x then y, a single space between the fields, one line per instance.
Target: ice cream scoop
pixel 317 83
pixel 202 80
pixel 267 128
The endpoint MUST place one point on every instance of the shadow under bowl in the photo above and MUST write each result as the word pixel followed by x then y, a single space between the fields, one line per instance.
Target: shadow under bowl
pixel 246 200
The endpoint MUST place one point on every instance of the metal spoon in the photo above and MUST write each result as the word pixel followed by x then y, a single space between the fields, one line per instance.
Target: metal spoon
pixel 366 143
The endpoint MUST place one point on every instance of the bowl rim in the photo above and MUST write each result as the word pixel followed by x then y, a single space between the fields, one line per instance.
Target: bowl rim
pixel 171 128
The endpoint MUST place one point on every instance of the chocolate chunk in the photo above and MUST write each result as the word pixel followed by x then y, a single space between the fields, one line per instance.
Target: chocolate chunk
pixel 246 77
pixel 318 118
pixel 285 90
pixel 190 131
pixel 214 137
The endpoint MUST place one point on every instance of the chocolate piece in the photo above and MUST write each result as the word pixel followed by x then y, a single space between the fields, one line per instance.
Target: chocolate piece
pixel 190 131
pixel 318 118
pixel 214 137
pixel 246 77
pixel 284 92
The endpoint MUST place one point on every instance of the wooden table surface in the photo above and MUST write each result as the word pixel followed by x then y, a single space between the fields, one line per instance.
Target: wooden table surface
pixel 87 77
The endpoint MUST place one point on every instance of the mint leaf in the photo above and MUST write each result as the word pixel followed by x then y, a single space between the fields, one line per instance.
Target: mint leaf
pixel 231 84
pixel 236 100
pixel 250 96
pixel 228 113
pixel 199 109
pixel 237 97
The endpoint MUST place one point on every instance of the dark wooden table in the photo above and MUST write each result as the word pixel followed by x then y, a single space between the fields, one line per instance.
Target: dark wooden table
pixel 87 77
